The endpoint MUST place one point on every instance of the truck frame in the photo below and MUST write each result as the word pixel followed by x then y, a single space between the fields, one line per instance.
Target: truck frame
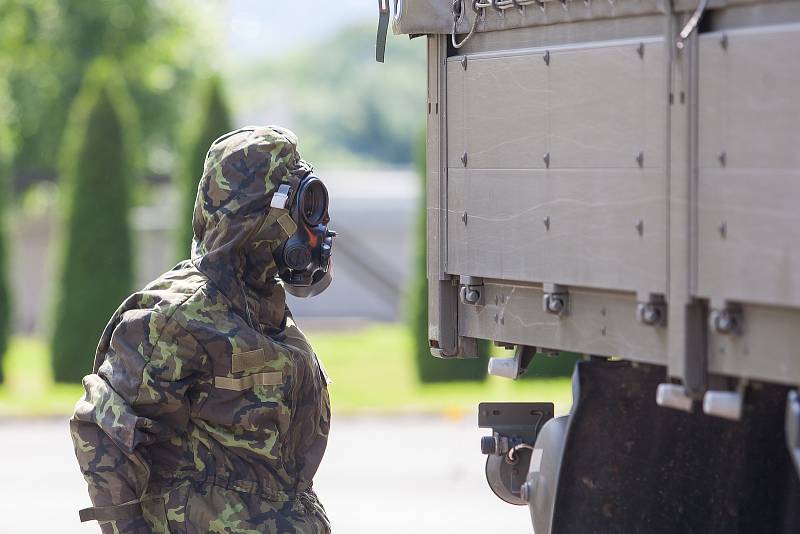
pixel 621 179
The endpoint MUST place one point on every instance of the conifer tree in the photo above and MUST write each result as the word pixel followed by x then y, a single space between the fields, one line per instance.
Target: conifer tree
pixel 211 120
pixel 96 261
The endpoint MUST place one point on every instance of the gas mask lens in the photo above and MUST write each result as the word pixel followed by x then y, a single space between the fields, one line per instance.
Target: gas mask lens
pixel 304 260
pixel 314 201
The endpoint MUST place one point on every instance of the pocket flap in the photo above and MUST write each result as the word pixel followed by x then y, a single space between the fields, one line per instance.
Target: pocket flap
pixel 247 382
pixel 245 360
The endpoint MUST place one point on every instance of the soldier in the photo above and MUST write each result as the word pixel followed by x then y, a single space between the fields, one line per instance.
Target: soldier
pixel 207 410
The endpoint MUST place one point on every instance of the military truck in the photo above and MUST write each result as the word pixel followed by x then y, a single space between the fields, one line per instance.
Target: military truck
pixel 621 179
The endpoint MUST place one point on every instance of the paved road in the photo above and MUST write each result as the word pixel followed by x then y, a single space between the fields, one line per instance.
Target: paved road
pixel 389 475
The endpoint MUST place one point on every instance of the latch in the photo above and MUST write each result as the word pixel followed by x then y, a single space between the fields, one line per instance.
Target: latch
pixel 471 291
pixel 555 299
pixel 515 366
pixel 515 426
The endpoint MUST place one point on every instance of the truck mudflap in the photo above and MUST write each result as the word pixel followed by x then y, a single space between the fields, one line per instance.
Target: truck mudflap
pixel 621 463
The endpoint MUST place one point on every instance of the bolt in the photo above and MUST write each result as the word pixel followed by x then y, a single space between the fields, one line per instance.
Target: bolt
pixel 725 321
pixel 640 50
pixel 464 159
pixel 648 313
pixel 464 218
pixel 723 230
pixel 640 159
pixel 464 62
pixel 488 445
pixel 472 296
pixel 723 158
pixel 546 159
pixel 723 42
pixel 555 304
pixel 547 222
pixel 640 227
pixel 547 58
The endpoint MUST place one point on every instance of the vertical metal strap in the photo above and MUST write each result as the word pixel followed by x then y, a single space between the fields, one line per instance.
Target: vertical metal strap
pixel 383 27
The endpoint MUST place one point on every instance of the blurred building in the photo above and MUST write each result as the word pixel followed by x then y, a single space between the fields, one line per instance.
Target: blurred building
pixel 373 211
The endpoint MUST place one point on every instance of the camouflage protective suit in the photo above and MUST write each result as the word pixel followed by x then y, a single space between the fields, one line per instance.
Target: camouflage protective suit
pixel 207 410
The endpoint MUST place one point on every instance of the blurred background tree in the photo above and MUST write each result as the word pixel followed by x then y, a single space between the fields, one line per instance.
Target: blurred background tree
pixel 347 109
pixel 49 46
pixel 6 150
pixel 210 119
pixel 96 261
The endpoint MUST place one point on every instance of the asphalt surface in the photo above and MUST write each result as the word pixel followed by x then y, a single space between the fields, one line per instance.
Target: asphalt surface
pixel 381 474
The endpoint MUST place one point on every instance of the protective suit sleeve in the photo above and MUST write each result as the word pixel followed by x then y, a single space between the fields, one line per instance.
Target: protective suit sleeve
pixel 137 397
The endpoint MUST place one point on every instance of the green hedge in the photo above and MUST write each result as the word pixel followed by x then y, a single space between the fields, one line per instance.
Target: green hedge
pixel 95 273
pixel 211 119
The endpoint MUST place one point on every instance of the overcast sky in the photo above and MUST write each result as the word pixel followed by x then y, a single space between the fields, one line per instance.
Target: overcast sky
pixel 255 28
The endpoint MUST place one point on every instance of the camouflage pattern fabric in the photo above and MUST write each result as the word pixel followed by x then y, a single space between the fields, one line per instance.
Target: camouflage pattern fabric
pixel 207 410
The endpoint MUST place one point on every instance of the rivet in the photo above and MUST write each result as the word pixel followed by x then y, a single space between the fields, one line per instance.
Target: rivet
pixel 640 227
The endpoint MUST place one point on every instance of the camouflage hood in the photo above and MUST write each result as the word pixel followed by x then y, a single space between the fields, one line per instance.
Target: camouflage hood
pixel 234 238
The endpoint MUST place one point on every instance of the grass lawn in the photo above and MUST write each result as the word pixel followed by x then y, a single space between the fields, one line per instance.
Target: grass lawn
pixel 372 371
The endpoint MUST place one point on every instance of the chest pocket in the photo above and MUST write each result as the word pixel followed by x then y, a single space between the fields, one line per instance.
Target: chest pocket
pixel 253 396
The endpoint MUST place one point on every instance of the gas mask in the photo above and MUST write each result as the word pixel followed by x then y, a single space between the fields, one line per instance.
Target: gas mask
pixel 304 259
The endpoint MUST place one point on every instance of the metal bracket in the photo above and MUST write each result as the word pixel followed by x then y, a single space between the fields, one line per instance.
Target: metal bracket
pixel 471 291
pixel 515 426
pixel 555 299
